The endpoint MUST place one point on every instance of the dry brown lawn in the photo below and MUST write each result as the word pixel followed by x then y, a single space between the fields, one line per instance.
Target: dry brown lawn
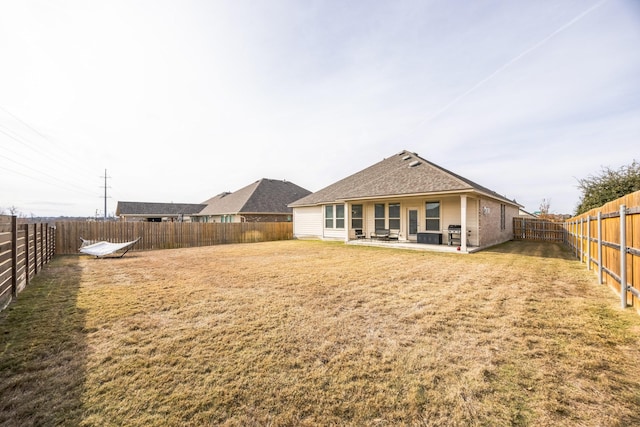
pixel 313 333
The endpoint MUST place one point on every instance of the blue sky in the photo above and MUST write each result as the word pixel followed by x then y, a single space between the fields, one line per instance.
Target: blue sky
pixel 181 100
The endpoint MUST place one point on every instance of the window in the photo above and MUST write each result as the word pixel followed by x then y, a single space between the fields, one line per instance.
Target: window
pixel 433 216
pixel 394 216
pixel 328 216
pixel 356 216
pixel 503 217
pixel 379 216
pixel 339 216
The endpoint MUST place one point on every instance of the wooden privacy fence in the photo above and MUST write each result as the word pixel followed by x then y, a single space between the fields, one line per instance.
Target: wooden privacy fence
pixel 24 250
pixel 607 239
pixel 538 229
pixel 168 235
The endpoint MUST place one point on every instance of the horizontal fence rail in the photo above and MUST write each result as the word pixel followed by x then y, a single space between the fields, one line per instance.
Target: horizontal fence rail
pixel 24 250
pixel 607 240
pixel 168 235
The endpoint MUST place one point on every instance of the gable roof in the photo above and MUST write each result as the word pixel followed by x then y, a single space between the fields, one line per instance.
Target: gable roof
pixel 157 209
pixel 262 196
pixel 402 174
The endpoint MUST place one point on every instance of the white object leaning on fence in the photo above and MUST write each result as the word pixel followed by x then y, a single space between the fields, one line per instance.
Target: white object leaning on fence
pixel 100 249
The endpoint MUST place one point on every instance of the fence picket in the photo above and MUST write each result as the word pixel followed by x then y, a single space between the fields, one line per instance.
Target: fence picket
pixel 19 255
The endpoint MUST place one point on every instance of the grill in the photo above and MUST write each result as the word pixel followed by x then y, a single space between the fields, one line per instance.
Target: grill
pixel 455 233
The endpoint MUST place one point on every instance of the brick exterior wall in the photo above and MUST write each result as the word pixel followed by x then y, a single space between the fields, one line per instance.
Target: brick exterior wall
pixel 490 225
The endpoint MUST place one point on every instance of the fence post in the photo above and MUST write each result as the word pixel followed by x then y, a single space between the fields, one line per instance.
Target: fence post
pixel 600 247
pixel 14 256
pixel 589 242
pixel 623 256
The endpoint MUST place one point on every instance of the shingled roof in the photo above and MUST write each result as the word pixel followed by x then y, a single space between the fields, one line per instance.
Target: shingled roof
pixel 157 209
pixel 263 196
pixel 402 174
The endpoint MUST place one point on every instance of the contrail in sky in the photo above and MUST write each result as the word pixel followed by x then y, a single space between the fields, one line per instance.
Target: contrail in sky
pixel 509 63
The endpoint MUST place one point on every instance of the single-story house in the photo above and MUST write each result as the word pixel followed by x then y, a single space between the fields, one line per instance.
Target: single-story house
pixel 157 212
pixel 265 200
pixel 409 199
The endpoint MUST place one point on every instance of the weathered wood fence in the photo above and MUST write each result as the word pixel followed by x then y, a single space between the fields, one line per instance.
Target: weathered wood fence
pixel 24 250
pixel 539 229
pixel 607 240
pixel 168 235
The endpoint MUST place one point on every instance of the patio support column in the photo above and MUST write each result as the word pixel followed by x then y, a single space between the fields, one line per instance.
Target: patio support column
pixel 347 221
pixel 463 223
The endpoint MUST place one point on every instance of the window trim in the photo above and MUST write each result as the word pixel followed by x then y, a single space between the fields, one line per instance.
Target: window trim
pixel 395 218
pixel 328 216
pixel 331 218
pixel 428 218
pixel 339 220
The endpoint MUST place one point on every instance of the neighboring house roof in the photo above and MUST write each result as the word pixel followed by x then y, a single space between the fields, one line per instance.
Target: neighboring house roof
pixel 157 209
pixel 524 213
pixel 402 174
pixel 263 196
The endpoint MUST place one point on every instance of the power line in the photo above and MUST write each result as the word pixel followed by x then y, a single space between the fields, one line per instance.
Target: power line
pixel 55 154
pixel 38 148
pixel 77 188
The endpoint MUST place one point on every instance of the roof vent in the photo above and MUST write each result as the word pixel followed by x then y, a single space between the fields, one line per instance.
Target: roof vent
pixel 414 163
pixel 406 157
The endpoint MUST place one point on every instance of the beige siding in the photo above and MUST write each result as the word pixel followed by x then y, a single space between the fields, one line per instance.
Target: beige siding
pixel 369 218
pixel 450 215
pixel 307 222
pixel 472 222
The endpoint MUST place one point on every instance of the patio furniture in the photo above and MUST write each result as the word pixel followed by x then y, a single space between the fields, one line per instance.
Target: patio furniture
pixel 394 235
pixel 359 233
pixel 380 234
pixel 430 238
pixel 100 249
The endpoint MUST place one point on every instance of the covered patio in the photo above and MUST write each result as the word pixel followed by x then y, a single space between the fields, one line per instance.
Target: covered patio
pixel 406 202
pixel 395 244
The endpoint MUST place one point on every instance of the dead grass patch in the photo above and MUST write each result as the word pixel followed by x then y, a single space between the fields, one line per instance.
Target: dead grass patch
pixel 312 333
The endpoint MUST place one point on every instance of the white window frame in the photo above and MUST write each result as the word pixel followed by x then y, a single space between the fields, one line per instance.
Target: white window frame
pixel 432 218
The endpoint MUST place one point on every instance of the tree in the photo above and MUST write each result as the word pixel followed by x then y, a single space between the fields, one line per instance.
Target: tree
pixel 544 208
pixel 609 185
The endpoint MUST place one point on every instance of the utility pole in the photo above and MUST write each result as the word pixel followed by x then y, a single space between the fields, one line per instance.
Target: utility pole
pixel 105 193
